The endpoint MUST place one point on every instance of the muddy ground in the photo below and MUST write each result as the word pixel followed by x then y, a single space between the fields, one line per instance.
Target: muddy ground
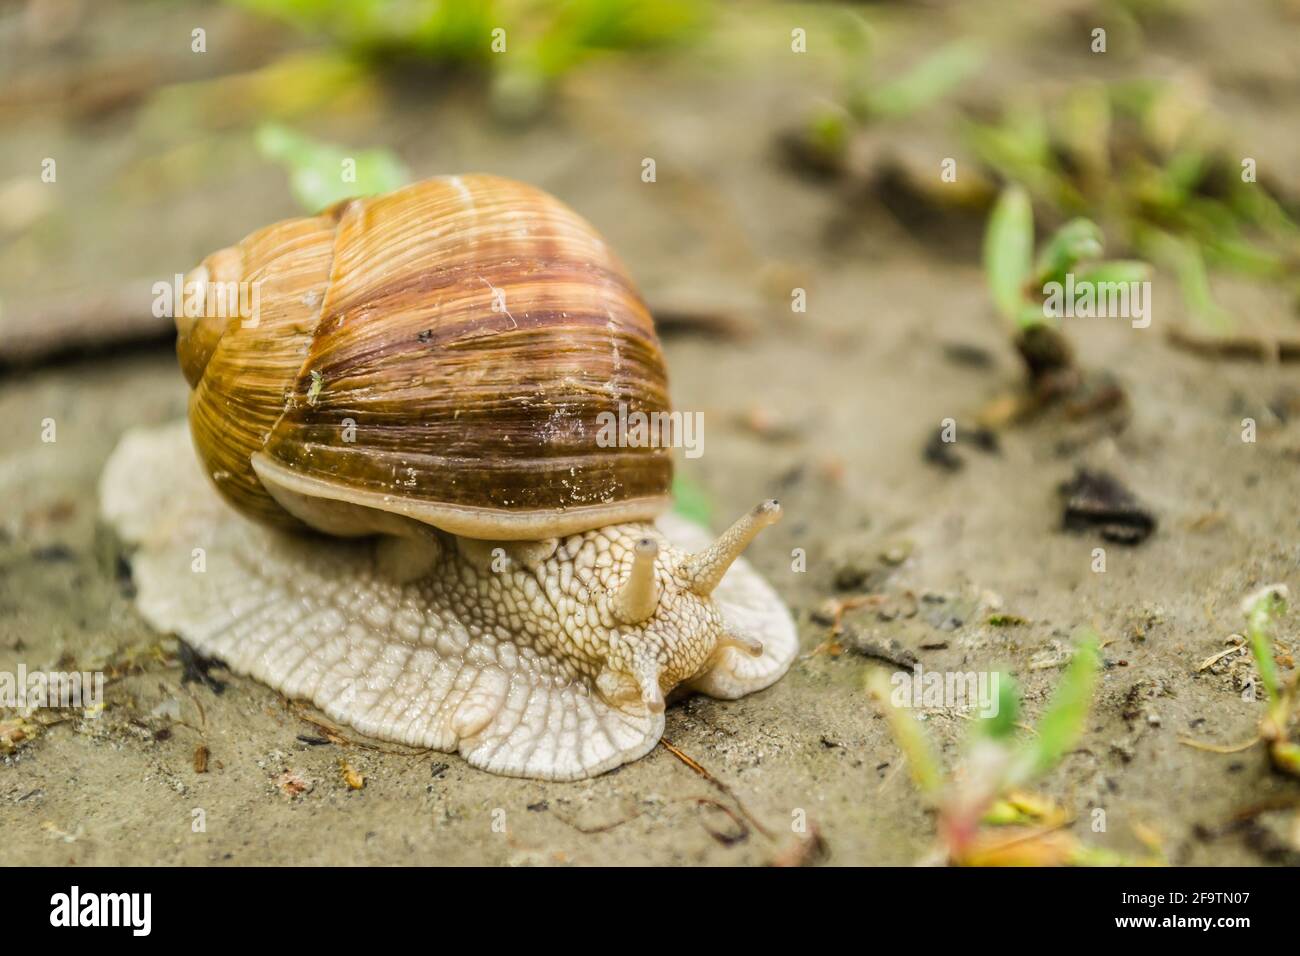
pixel 829 410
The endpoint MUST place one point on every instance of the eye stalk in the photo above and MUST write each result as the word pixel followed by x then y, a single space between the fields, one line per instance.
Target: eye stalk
pixel 704 571
pixel 745 642
pixel 637 600
pixel 652 695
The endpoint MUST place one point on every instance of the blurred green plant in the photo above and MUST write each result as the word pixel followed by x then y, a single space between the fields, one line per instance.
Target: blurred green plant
pixel 1008 252
pixel 985 791
pixel 288 89
pixel 865 98
pixel 1153 164
pixel 690 500
pixel 1016 279
pixel 925 83
pixel 321 174
pixel 524 44
pixel 1264 610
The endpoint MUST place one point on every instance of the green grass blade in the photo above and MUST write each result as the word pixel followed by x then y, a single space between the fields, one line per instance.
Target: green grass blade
pixel 1003 724
pixel 1116 270
pixel 932 79
pixel 924 765
pixel 1263 610
pixel 1077 240
pixel 1008 248
pixel 1184 256
pixel 1063 722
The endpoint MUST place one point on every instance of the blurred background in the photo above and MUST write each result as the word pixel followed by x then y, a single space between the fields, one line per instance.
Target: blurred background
pixel 785 136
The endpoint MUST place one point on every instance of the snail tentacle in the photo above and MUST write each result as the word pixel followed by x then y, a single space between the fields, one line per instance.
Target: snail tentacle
pixel 703 571
pixel 652 695
pixel 638 598
pixel 734 637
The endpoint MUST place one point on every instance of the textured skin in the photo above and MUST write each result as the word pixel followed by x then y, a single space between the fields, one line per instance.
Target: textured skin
pixel 523 670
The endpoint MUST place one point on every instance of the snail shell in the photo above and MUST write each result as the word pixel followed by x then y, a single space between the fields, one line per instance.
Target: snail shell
pixel 440 353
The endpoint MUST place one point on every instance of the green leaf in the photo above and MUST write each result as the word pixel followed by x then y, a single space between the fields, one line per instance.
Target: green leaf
pixel 321 174
pixel 1182 172
pixel 1115 270
pixel 1002 724
pixel 1031 314
pixel 1250 258
pixel 1262 614
pixel 1184 256
pixel 1062 723
pixel 1019 148
pixel 1084 127
pixel 691 501
pixel 828 132
pixel 1194 281
pixel 1077 240
pixel 1008 247
pixel 442 31
pixel 924 765
pixel 933 78
pixel 624 24
pixel 1256 206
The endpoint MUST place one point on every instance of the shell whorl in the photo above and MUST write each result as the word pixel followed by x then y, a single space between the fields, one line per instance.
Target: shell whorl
pixel 441 352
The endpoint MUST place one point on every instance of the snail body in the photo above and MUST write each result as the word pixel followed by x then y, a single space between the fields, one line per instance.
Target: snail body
pixel 414 526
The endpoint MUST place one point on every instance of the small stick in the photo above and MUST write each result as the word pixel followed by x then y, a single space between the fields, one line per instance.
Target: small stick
pixel 606 827
pixel 1215 658
pixel 844 605
pixel 335 735
pixel 1257 348
pixel 694 765
pixel 1033 833
pixel 1217 748
pixel 1281 803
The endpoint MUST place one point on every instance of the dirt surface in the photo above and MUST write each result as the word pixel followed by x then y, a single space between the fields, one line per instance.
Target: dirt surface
pixel 829 410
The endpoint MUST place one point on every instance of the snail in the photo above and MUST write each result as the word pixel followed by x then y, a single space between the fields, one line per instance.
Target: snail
pixel 413 525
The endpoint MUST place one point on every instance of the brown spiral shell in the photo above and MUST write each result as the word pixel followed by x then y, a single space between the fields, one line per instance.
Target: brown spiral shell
pixel 441 353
